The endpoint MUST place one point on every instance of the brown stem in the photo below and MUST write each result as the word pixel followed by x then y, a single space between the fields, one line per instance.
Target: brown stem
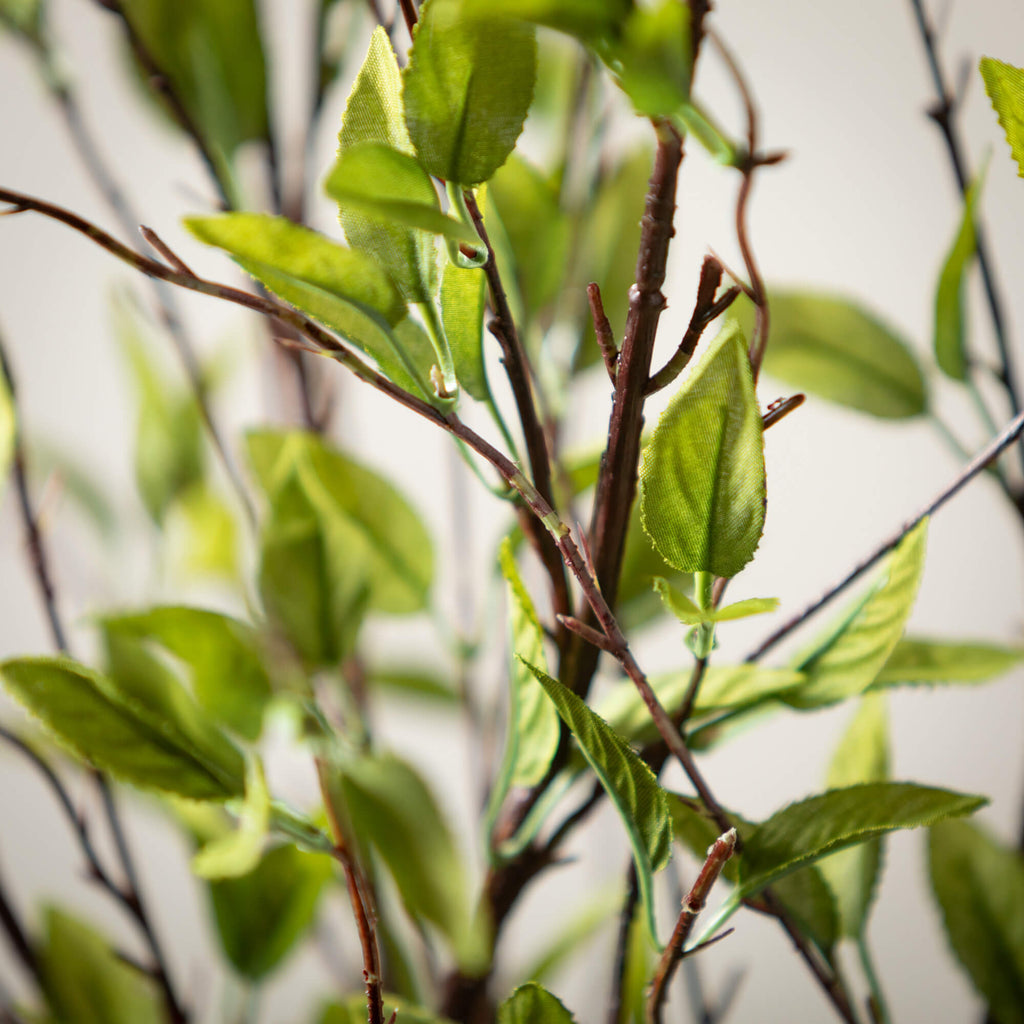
pixel 359 897
pixel 517 370
pixel 693 903
pixel 989 454
pixel 705 309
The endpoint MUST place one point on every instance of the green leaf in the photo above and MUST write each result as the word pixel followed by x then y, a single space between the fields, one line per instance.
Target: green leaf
pixel 688 613
pixel 462 314
pixel 263 914
pixel 848 659
pixel 702 486
pixel 950 341
pixel 804 893
pixel 202 535
pixel 238 852
pixel 374 110
pixel 346 290
pixel 168 439
pixel 389 209
pixel 980 887
pixel 1004 84
pixel 380 524
pixel 222 654
pixel 916 660
pixel 412 682
pixel 587 20
pixel 834 349
pixel 87 982
pixel 537 230
pixel 392 809
pixel 629 783
pixel 211 55
pixel 155 739
pixel 862 756
pixel 532 1004
pixel 534 727
pixel 804 832
pixel 651 57
pixel 24 17
pixel 305 268
pixel 467 90
pixel 8 431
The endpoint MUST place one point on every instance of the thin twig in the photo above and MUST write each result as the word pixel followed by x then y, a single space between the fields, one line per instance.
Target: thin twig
pixel 705 309
pixel 943 114
pixel 359 897
pixel 629 902
pixel 718 856
pixel 517 370
pixel 603 330
pixel 971 470
pixel 37 549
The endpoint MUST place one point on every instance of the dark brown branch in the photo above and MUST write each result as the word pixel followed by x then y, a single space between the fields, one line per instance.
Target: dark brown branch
pixel 693 903
pixel 779 409
pixel 603 330
pixel 752 160
pixel 968 473
pixel 517 370
pixel 166 88
pixel 943 113
pixel 359 897
pixel 705 309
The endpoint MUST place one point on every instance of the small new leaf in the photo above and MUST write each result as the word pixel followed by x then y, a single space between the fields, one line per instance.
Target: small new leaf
pixel 702 483
pixel 689 614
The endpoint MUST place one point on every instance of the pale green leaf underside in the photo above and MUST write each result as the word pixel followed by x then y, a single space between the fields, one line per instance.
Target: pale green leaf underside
pixel 374 111
pixel 832 348
pixel 850 657
pixel 702 483
pixel 238 852
pixel 122 735
pixel 228 676
pixel 467 89
pixel 533 1004
pixel 915 660
pixel 462 314
pixel 629 783
pixel 1004 84
pixel 87 982
pixel 262 915
pixel 980 887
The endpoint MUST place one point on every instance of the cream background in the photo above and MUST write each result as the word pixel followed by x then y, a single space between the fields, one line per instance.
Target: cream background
pixel 865 205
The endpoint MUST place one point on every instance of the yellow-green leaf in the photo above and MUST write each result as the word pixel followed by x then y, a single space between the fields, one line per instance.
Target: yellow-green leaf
pixel 1004 84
